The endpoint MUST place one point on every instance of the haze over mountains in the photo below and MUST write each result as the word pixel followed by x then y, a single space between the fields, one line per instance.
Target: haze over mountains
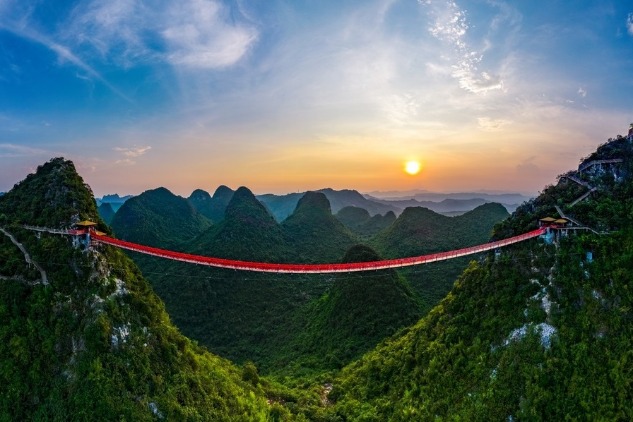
pixel 541 330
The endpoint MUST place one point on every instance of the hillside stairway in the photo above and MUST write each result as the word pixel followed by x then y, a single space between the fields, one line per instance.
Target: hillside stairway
pixel 580 198
pixel 577 180
pixel 592 189
pixel 579 225
pixel 590 164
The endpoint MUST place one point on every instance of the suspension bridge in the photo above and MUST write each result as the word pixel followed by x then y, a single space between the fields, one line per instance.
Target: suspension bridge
pixel 93 236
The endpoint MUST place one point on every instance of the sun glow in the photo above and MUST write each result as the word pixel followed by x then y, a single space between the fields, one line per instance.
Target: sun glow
pixel 412 167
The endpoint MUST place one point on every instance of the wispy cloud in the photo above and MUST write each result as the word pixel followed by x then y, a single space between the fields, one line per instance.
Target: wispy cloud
pixel 14 151
pixel 131 154
pixel 582 92
pixel 64 54
pixel 450 25
pixel 112 28
pixel 189 33
pixel 401 108
pixel 629 24
pixel 492 125
pixel 198 36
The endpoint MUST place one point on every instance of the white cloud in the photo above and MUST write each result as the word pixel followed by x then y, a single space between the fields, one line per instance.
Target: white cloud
pixel 473 82
pixel 198 36
pixel 133 152
pixel 130 154
pixel 14 151
pixel 64 54
pixel 114 27
pixel 190 33
pixel 629 24
pixel 450 25
pixel 582 92
pixel 401 109
pixel 492 125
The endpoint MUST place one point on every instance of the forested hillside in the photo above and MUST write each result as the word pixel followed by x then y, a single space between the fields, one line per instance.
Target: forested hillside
pixel 541 332
pixel 350 318
pixel 83 336
pixel 212 207
pixel 106 212
pixel 419 231
pixel 312 224
pixel 157 217
pixel 360 222
pixel 247 232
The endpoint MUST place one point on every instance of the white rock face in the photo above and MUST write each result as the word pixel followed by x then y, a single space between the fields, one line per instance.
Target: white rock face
pixel 545 330
pixel 153 407
pixel 120 334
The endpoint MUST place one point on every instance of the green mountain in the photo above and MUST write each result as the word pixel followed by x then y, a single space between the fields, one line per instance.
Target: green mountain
pixel 360 222
pixel 212 207
pixel 541 332
pixel 377 223
pixel 159 218
pixel 282 206
pixel 114 200
pixel 420 231
pixel 106 212
pixel 233 313
pixel 247 232
pixel 314 233
pixel 352 217
pixel 82 335
pixel 352 317
pixel 348 197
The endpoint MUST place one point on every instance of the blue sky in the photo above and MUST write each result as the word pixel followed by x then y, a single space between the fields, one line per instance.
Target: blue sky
pixel 285 96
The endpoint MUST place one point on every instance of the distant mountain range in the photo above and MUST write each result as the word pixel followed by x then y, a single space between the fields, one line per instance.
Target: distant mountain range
pixel 376 203
pixel 425 195
pixel 114 200
pixel 447 206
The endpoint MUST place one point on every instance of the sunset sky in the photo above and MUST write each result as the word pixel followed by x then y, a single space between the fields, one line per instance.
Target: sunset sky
pixel 286 96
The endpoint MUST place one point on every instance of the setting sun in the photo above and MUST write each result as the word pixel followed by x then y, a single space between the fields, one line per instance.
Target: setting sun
pixel 412 167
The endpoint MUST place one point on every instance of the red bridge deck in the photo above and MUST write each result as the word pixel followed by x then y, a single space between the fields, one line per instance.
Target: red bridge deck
pixel 313 268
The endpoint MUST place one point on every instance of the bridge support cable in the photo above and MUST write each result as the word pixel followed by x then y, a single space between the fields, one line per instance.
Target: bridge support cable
pixel 313 268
